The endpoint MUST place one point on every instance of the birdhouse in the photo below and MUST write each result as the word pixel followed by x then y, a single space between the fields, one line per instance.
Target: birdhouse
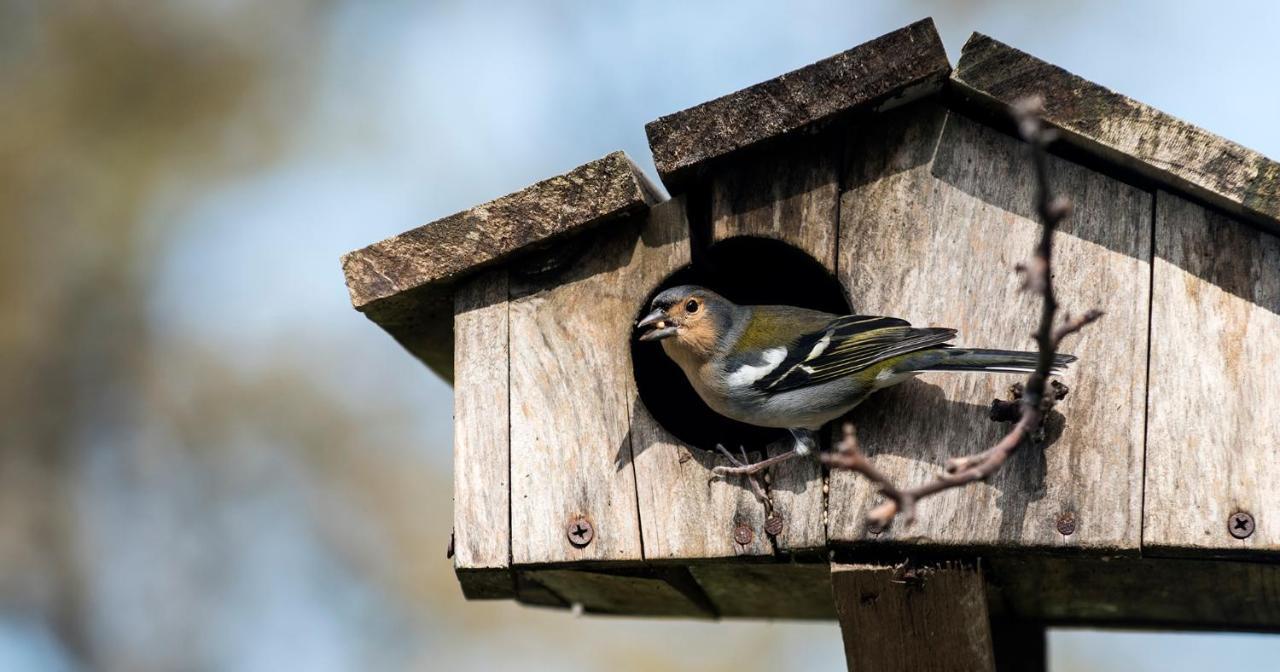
pixel 880 181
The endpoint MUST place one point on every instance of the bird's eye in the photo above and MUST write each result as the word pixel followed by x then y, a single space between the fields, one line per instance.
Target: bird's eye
pixel 691 306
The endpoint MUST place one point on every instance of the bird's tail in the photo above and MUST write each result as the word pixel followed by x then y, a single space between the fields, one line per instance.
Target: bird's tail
pixel 1010 361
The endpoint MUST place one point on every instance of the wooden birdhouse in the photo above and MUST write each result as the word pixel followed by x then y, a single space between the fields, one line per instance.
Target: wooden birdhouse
pixel 879 181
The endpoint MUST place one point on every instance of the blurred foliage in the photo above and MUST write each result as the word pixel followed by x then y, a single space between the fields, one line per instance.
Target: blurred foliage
pixel 142 476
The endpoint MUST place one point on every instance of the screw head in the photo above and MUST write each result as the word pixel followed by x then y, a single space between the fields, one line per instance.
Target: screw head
pixel 1067 524
pixel 742 534
pixel 773 524
pixel 579 531
pixel 1240 525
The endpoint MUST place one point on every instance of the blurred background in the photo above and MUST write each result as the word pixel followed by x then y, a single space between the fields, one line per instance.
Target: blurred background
pixel 209 461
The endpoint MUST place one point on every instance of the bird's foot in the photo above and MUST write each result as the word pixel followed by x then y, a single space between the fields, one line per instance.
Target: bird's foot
pixel 743 468
pixel 744 462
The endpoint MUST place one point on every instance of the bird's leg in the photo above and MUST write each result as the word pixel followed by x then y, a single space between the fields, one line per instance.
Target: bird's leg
pixel 804 444
pixel 756 488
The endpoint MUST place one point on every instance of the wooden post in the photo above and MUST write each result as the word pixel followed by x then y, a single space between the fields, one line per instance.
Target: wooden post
pixel 481 453
pixel 919 619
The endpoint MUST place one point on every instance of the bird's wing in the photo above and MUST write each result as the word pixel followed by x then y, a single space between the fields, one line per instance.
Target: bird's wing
pixel 846 346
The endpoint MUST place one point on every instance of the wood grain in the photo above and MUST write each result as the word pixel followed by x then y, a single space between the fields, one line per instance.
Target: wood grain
pixel 571 395
pixel 767 590
pixel 638 594
pixel 934 619
pixel 1079 590
pixel 933 220
pixel 789 195
pixel 1138 592
pixel 404 283
pixel 481 455
pixel 1215 379
pixel 1125 131
pixel 685 514
pixel 903 64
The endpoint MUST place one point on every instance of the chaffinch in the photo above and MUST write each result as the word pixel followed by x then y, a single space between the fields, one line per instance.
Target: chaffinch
pixel 793 368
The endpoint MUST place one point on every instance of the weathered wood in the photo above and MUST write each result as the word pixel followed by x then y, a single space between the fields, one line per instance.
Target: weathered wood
pixel 1124 131
pixel 684 513
pixel 789 195
pixel 571 397
pixel 1076 590
pixel 906 63
pixel 481 453
pixel 933 220
pixel 1215 378
pixel 637 594
pixel 767 590
pixel 893 618
pixel 1137 592
pixel 403 283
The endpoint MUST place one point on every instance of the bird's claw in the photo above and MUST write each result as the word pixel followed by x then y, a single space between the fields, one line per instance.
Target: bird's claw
pixel 741 467
pixel 732 460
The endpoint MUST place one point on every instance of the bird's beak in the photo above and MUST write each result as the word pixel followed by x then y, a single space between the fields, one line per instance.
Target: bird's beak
pixel 662 327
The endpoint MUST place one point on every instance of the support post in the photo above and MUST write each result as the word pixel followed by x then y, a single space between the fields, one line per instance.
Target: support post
pixel 921 619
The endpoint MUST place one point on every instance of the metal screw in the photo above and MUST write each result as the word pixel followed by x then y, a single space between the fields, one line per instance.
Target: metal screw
pixel 580 531
pixel 743 534
pixel 1067 524
pixel 773 524
pixel 1240 525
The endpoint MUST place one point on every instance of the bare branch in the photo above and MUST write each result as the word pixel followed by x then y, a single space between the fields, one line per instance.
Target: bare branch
pixel 1037 276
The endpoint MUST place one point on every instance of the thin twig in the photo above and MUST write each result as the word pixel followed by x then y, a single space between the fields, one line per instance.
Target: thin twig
pixel 1038 278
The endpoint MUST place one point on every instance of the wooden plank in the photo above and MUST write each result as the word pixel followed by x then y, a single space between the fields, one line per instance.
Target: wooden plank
pixel 1136 592
pixel 931 227
pixel 481 455
pixel 1215 376
pixel 789 194
pixel 921 619
pixel 571 397
pixel 767 590
pixel 403 283
pixel 1124 131
pixel 1023 591
pixel 684 513
pixel 637 594
pixel 903 64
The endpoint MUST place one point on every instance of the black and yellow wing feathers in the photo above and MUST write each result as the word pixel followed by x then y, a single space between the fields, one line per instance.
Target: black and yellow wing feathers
pixel 846 346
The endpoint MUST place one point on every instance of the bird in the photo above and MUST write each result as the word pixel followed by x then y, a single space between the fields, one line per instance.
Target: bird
pixel 798 369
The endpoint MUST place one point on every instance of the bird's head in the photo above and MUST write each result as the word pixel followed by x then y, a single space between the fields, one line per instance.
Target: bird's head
pixel 695 316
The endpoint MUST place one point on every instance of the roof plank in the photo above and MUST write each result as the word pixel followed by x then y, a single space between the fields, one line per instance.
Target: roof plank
pixel 448 248
pixel 404 283
pixel 904 64
pixel 1124 131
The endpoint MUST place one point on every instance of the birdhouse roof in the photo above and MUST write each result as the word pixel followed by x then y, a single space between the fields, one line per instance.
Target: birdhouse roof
pixel 405 283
